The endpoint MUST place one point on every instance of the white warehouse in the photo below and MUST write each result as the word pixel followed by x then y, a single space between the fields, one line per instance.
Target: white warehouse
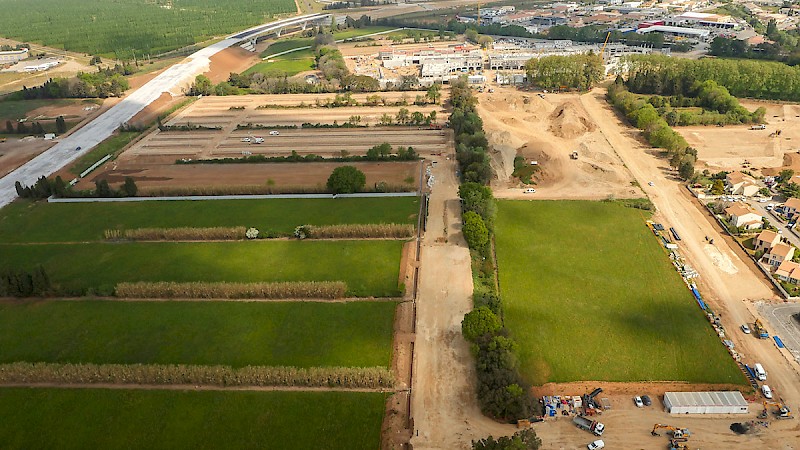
pixel 717 402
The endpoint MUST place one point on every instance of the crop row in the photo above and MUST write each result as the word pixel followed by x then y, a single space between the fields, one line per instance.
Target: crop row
pixel 199 289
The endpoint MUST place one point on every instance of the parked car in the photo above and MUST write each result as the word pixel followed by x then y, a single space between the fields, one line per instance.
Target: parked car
pixel 274 133
pixel 598 444
pixel 763 200
pixel 650 183
pixel 529 191
pixel 646 400
pixel 745 329
pixel 638 402
pixel 766 391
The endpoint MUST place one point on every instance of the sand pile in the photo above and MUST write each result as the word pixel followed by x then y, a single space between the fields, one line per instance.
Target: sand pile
pixel 569 121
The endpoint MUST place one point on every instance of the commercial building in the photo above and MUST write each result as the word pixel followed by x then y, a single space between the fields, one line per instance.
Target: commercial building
pixel 703 20
pixel 716 402
pixel 13 56
pixel 694 33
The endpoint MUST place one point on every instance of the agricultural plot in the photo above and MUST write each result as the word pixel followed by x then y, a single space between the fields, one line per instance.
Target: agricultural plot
pixel 124 28
pixel 109 419
pixel 79 222
pixel 236 334
pixel 370 268
pixel 590 295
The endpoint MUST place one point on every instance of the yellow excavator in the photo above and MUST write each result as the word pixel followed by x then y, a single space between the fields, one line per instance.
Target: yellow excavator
pixel 781 410
pixel 676 432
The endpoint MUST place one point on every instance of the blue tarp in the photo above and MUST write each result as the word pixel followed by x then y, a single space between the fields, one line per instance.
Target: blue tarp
pixel 778 341
pixel 699 299
pixel 750 371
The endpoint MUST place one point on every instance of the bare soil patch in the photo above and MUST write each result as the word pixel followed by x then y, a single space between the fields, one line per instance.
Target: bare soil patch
pixel 17 151
pixel 547 130
pixel 234 59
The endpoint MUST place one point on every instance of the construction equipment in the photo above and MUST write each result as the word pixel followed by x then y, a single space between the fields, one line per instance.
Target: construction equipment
pixel 759 329
pixel 781 410
pixel 677 444
pixel 589 425
pixel 602 50
pixel 676 432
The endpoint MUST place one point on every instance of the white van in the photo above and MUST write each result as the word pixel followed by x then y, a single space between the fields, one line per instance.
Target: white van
pixel 761 374
pixel 766 391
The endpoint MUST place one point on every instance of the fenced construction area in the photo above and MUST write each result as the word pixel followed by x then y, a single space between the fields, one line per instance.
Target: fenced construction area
pixel 589 294
pixel 219 317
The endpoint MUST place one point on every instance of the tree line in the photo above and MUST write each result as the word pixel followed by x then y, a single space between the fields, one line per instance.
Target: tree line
pixel 597 34
pixel 36 127
pixel 502 392
pixel 25 283
pixel 658 74
pixel 573 71
pixel 471 144
pixel 108 82
pixel 57 187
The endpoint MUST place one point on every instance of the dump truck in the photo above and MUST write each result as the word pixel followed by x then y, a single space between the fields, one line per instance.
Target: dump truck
pixel 589 425
pixel 759 330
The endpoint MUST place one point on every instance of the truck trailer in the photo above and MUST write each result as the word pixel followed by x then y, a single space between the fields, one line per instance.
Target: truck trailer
pixel 589 425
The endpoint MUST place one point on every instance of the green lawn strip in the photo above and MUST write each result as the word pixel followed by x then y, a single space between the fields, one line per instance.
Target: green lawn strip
pixel 290 66
pixel 237 334
pixel 25 221
pixel 111 419
pixel 107 147
pixel 589 294
pixel 370 268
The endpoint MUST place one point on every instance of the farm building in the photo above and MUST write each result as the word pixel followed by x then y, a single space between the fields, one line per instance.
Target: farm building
pixel 717 402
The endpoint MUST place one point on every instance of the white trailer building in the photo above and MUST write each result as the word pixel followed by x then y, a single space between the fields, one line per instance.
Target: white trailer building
pixel 717 402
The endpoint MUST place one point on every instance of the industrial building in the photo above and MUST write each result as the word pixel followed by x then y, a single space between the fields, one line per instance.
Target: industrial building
pixel 694 33
pixel 716 402
pixel 13 56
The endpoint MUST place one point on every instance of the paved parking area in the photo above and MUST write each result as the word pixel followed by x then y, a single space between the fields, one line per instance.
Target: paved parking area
pixel 782 323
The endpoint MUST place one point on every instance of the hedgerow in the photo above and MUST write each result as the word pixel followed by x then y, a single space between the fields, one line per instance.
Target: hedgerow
pixel 199 289
pixel 178 234
pixel 356 231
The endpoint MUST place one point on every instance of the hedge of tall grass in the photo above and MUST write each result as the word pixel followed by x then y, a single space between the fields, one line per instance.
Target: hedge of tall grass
pixel 359 231
pixel 179 234
pixel 161 374
pixel 199 289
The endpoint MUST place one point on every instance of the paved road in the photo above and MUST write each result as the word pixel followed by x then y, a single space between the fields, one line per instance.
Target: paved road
pixel 783 325
pixel 171 80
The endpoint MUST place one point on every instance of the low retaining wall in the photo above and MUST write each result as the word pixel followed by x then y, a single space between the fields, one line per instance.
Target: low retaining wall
pixel 230 197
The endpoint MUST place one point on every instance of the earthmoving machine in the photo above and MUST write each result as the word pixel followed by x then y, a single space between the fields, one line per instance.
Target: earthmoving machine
pixel 589 404
pixel 781 410
pixel 678 444
pixel 677 433
pixel 760 331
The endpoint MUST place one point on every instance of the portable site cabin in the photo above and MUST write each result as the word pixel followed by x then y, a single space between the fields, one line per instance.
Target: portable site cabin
pixel 717 402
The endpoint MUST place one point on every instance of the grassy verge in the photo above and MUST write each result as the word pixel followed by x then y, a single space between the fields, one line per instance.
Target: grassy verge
pixel 589 295
pixel 109 419
pixel 24 221
pixel 370 268
pixel 107 147
pixel 236 334
pixel 292 66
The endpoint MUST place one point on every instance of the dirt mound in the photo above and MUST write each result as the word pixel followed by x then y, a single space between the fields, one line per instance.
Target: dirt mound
pixel 569 121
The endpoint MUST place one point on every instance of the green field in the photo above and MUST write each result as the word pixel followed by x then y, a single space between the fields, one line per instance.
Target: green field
pixel 237 334
pixel 111 419
pixel 589 294
pixel 118 28
pixel 291 66
pixel 24 221
pixel 370 268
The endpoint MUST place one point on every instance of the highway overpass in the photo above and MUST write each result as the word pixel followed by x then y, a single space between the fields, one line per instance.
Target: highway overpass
pixel 171 80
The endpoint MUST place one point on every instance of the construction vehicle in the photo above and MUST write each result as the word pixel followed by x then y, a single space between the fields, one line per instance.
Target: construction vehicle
pixel 677 433
pixel 759 329
pixel 589 425
pixel 781 410
pixel 603 50
pixel 573 155
pixel 589 404
pixel 678 444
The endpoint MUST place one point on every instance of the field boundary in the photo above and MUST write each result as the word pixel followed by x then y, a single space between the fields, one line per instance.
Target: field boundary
pixel 207 300
pixel 231 197
pixel 192 387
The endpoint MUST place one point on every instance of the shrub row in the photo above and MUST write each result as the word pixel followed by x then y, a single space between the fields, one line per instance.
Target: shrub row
pixel 188 127
pixel 178 234
pixel 199 289
pixel 356 231
pixel 343 377
pixel 256 189
pixel 23 283
pixel 259 126
pixel 471 144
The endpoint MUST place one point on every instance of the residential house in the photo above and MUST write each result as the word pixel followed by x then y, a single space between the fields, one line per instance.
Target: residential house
pixel 741 215
pixel 778 254
pixel 766 240
pixel 791 207
pixel 737 183
pixel 788 271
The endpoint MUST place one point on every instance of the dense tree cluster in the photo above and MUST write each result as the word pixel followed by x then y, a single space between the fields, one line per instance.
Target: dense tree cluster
pixel 471 143
pixel 346 180
pixel 22 283
pixel 104 83
pixel 644 116
pixel 782 45
pixel 597 34
pixel 573 71
pixel 658 74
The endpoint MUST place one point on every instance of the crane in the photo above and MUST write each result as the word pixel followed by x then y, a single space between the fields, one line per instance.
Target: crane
pixel 602 50
pixel 676 432
pixel 782 411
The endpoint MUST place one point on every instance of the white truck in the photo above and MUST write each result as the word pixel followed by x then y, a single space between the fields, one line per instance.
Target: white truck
pixel 589 425
pixel 258 140
pixel 758 127
pixel 761 374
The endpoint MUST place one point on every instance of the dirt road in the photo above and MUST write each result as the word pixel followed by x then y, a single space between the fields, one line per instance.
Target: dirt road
pixel 444 407
pixel 726 282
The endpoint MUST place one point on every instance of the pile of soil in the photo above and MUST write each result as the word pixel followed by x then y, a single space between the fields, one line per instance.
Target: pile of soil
pixel 741 428
pixel 569 121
